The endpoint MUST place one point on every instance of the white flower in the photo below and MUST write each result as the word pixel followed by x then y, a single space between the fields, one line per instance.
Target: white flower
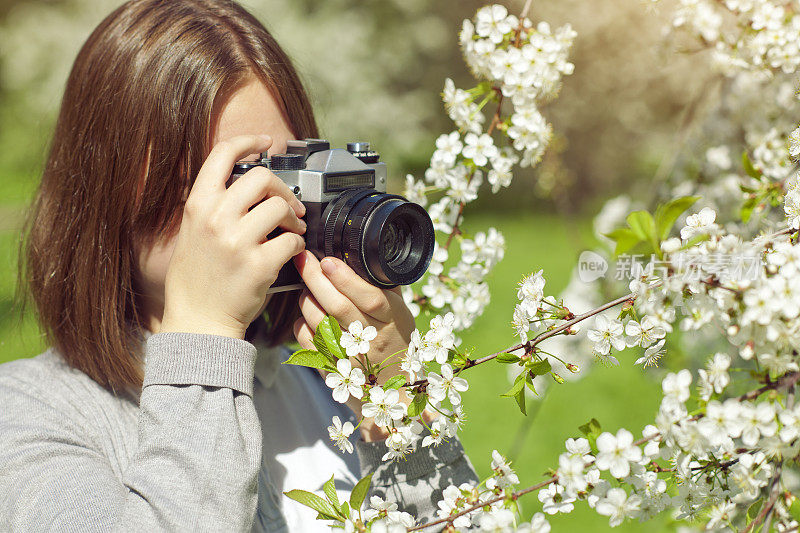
pixel 790 420
pixel 346 381
pixel 614 453
pixel 794 143
pixel 504 475
pixel 449 147
pixel 717 369
pixel 538 524
pixel 438 293
pixel 438 429
pixel 356 339
pixel 493 22
pixel 618 506
pixel 412 362
pixel 652 355
pixel 452 502
pixel 570 473
pixel 676 386
pixel 579 448
pixel 339 434
pixel 758 420
pixel 446 385
pixel 384 406
pixel 439 340
pixel 531 292
pixel 699 223
pixel 555 500
pixel 644 333
pixel 608 333
pixel 415 191
pixel 479 148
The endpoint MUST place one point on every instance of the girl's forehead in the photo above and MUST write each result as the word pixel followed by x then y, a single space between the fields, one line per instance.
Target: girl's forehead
pixel 250 109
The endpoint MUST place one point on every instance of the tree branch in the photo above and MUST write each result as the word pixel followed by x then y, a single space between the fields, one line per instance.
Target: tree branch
pixel 514 496
pixel 531 344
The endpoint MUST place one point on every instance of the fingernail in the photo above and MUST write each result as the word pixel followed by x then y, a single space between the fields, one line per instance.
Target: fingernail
pixel 265 137
pixel 303 225
pixel 301 208
pixel 328 266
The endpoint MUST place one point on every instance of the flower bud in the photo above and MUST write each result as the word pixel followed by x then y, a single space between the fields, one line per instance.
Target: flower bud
pixel 558 378
pixel 573 368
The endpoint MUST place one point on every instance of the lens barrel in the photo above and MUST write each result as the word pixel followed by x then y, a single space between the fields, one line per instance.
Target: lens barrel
pixel 383 237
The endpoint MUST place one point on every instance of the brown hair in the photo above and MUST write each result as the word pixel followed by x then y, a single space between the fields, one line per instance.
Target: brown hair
pixel 138 101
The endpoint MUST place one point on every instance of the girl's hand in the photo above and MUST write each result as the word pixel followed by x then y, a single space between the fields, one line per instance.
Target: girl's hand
pixel 334 288
pixel 222 264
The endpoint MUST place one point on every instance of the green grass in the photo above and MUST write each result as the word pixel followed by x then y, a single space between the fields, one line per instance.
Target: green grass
pixel 621 396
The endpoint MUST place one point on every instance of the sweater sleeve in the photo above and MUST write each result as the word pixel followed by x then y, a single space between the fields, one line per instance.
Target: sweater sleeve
pixel 416 483
pixel 195 467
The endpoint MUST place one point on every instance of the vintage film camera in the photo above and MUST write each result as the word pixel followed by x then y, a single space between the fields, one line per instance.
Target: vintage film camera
pixel 383 237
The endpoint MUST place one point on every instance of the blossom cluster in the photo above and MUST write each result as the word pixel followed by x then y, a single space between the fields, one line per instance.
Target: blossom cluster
pixel 518 67
pixel 746 34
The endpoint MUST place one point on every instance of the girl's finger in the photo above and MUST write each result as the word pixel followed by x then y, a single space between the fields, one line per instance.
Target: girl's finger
pixel 255 185
pixel 332 301
pixel 218 165
pixel 304 334
pixel 312 311
pixel 278 250
pixel 371 300
pixel 268 215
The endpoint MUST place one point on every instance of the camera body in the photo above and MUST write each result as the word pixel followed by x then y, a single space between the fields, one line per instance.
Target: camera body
pixel 385 238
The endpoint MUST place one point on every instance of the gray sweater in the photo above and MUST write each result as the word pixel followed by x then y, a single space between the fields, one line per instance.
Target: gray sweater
pixel 218 431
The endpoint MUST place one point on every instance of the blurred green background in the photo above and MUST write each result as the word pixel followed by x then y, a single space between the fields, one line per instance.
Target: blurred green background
pixel 375 70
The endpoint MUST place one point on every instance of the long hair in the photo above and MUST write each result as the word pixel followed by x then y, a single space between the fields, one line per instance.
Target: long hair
pixel 133 130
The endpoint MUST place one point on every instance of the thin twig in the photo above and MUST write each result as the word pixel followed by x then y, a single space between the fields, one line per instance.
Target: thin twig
pixel 769 504
pixel 787 380
pixel 531 344
pixel 514 496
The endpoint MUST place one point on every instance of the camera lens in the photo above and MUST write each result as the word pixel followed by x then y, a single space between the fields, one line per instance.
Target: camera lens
pixel 383 237
pixel 396 242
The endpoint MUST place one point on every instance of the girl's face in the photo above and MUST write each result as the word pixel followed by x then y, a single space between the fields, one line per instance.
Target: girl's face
pixel 250 109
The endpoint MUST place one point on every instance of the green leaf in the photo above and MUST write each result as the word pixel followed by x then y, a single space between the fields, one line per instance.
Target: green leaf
pixel 644 227
pixel 360 492
pixel 394 382
pixel 520 397
pixel 539 368
pixel 345 508
pixel 668 213
pixel 309 499
pixel 519 383
pixel 752 511
pixel 418 404
pixel 697 239
pixel 747 209
pixel 330 491
pixel 624 238
pixel 517 392
pixel 751 171
pixel 529 383
pixel 591 429
pixel 327 336
pixel 507 358
pixel 309 358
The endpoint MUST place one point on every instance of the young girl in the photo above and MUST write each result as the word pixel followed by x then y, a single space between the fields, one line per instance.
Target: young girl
pixel 161 403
